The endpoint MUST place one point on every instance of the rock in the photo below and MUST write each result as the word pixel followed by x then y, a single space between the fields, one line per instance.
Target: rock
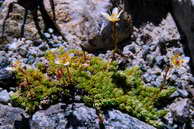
pixel 191 91
pixel 4 96
pixel 43 47
pixel 30 60
pixel 81 22
pixel 4 61
pixel 146 50
pixel 61 116
pixel 13 118
pixel 23 52
pixel 78 116
pixel 191 79
pixel 180 93
pixel 174 77
pixel 156 83
pixel 147 77
pixel 115 119
pixel 104 40
pixel 37 42
pixel 183 14
pixel 160 61
pixel 183 93
pixel 54 45
pixel 7 79
pixel 150 59
pixel 129 48
pixel 180 110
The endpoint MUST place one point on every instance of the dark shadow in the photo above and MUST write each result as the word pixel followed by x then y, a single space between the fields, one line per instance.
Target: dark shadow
pixel 23 124
pixel 144 11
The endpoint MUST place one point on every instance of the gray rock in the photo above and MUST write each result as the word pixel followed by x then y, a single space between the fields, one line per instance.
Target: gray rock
pixel 129 48
pixel 152 47
pixel 117 120
pixel 78 116
pixel 104 40
pixel 43 47
pixel 150 59
pixel 13 118
pixel 183 93
pixel 182 11
pixel 4 61
pixel 147 77
pixel 37 42
pixel 146 50
pixel 192 79
pixel 156 83
pixel 180 110
pixel 54 45
pixel 173 77
pixel 31 60
pixel 174 95
pixel 180 93
pixel 160 61
pixel 61 116
pixel 7 79
pixel 23 52
pixel 4 96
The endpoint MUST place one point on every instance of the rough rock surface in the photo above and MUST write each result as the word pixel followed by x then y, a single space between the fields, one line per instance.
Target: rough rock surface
pixel 155 10
pixel 13 118
pixel 4 96
pixel 80 21
pixel 180 114
pixel 79 116
pixel 180 110
pixel 182 11
pixel 7 79
pixel 115 119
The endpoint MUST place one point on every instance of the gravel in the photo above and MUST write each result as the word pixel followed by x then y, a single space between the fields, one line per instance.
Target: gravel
pixel 151 49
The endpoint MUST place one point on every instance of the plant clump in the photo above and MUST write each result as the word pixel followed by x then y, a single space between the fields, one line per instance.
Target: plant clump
pixel 99 83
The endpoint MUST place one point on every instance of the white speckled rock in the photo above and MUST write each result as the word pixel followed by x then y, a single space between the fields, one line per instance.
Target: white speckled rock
pixel 79 116
pixel 4 96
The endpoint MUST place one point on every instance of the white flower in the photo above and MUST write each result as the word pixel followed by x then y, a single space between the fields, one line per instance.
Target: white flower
pixel 10 68
pixel 47 35
pixel 60 38
pixel 67 64
pixel 50 30
pixel 114 17
pixel 57 61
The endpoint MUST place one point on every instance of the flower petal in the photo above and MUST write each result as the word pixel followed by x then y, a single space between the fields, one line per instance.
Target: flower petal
pixel 119 13
pixel 106 15
pixel 67 64
pixel 186 59
pixel 115 11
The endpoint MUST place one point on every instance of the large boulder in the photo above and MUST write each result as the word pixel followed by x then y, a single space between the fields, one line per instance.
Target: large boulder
pixel 13 118
pixel 79 116
pixel 183 14
pixel 80 21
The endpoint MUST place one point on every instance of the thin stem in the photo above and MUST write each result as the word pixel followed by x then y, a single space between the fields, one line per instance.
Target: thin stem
pixel 68 74
pixel 84 54
pixel 167 69
pixel 114 37
pixel 163 84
